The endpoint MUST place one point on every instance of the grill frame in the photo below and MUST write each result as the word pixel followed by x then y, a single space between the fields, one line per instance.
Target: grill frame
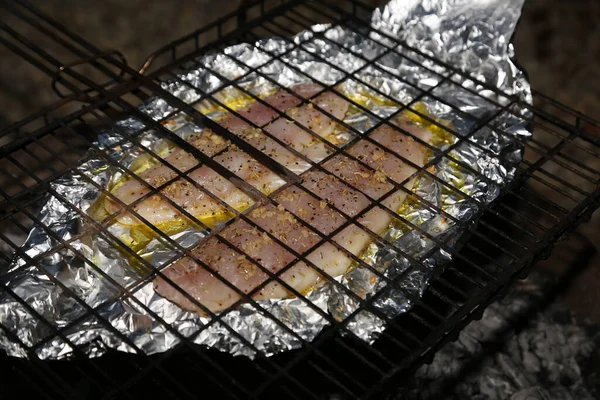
pixel 106 103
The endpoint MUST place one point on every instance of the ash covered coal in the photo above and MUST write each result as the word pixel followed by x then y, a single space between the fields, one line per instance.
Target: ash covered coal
pixel 521 349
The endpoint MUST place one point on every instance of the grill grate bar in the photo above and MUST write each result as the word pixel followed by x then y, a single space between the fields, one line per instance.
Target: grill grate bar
pixel 318 166
pixel 66 202
pixel 27 56
pixel 529 172
pixel 468 89
pixel 470 307
pixel 575 144
pixel 508 237
pixel 181 107
pixel 92 311
pixel 565 166
pixel 52 32
pixel 257 289
pixel 421 169
pixel 321 169
pixel 554 120
pixel 552 204
pixel 482 122
pixel 211 321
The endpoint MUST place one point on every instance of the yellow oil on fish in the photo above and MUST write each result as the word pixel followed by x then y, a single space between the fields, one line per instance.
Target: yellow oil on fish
pixel 441 131
pixel 229 99
pixel 138 236
pixel 441 136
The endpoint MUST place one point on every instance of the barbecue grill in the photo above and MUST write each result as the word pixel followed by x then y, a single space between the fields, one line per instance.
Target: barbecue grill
pixel 553 191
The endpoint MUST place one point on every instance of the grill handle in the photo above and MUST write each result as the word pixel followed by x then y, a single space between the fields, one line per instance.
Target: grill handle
pixel 57 52
pixel 20 21
pixel 240 15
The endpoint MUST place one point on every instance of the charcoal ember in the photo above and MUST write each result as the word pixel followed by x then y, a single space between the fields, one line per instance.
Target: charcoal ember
pixel 515 352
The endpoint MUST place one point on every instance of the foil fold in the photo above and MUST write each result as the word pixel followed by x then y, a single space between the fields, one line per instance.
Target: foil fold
pixel 473 37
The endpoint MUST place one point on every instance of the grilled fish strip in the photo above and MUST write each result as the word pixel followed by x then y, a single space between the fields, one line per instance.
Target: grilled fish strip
pixel 347 186
pixel 188 195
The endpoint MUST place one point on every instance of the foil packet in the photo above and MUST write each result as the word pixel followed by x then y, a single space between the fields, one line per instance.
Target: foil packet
pixel 483 143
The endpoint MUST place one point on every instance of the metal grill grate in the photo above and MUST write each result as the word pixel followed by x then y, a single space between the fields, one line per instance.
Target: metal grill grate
pixel 556 188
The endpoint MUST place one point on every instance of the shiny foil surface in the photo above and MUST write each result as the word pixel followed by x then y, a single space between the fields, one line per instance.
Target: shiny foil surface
pixel 477 155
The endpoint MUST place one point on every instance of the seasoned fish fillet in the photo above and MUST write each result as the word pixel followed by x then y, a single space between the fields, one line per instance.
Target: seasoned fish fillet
pixel 187 193
pixel 345 185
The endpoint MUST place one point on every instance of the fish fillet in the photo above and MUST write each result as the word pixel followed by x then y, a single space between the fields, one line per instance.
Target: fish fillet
pixel 323 201
pixel 188 194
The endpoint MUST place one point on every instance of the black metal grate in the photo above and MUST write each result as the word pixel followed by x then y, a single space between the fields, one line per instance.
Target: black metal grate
pixel 556 188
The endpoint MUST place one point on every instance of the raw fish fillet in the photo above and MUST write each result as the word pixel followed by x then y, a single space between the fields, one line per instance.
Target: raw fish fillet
pixel 323 201
pixel 187 193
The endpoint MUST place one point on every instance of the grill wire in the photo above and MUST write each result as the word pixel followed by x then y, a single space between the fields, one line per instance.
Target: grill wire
pixel 553 191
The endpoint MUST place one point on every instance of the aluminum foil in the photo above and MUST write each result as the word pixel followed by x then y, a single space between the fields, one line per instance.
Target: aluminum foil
pixel 472 36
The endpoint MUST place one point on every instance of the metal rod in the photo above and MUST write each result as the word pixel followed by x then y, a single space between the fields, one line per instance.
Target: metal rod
pixel 519 251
